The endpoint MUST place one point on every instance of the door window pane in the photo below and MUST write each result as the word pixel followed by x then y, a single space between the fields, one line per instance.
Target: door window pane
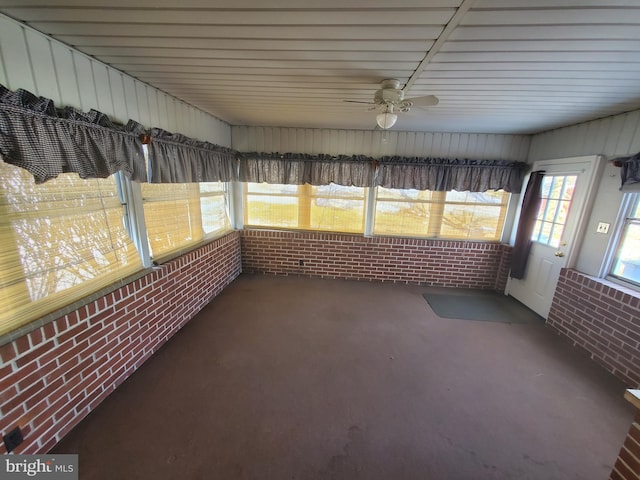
pixel 556 192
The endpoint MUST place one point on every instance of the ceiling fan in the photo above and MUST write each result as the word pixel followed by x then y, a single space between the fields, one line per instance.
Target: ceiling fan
pixel 390 98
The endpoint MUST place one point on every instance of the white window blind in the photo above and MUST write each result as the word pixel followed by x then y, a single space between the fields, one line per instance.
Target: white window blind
pixel 178 215
pixel 435 214
pixel 331 207
pixel 61 241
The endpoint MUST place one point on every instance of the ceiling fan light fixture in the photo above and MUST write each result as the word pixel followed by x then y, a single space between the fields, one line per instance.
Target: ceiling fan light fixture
pixel 387 119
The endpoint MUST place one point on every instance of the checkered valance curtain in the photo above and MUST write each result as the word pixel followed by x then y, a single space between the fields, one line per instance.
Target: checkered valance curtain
pixel 298 169
pixel 441 174
pixel 629 172
pixel 175 158
pixel 47 141
pixel 435 174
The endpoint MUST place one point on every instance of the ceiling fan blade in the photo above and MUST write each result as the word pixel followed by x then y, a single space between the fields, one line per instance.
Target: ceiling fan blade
pixel 425 101
pixel 357 101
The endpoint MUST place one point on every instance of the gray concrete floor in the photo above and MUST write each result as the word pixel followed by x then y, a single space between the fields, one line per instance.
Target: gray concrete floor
pixel 297 378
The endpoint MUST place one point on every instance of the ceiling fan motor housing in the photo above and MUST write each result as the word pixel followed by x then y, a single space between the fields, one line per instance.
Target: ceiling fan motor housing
pixel 391 98
pixel 385 96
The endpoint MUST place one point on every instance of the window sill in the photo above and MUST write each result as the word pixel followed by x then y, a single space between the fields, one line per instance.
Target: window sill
pixel 61 312
pixel 172 255
pixel 620 284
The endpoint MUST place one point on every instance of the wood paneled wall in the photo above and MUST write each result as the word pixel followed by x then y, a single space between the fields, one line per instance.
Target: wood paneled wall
pixel 377 143
pixel 611 136
pixel 46 67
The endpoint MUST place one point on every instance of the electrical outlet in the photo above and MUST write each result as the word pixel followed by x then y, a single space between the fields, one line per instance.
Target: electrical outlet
pixel 12 439
pixel 603 227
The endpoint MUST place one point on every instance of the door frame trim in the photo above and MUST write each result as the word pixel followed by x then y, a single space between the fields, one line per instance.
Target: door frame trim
pixel 592 176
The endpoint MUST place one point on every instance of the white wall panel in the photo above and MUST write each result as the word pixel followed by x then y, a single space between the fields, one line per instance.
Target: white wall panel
pixel 103 87
pixel 163 114
pixel 172 114
pixel 154 108
pixel 167 117
pixel 131 98
pixel 86 85
pixel 182 116
pixel 120 113
pixel 627 132
pixel 200 119
pixel 66 75
pixel 46 67
pixel 16 56
pixel 41 62
pixel 611 136
pixel 634 146
pixel 3 75
pixel 143 103
pixel 380 143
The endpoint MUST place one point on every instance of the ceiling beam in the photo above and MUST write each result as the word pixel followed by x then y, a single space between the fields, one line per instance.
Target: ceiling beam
pixel 435 48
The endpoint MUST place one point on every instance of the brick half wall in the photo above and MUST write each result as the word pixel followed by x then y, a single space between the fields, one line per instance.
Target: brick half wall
pixel 602 318
pixel 445 263
pixel 627 466
pixel 51 378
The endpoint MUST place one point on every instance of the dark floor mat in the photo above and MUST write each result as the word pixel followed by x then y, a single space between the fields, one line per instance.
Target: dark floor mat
pixel 483 306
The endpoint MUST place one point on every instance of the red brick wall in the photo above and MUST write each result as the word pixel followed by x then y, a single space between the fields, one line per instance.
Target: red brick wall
pixel 53 377
pixel 415 261
pixel 603 319
pixel 627 466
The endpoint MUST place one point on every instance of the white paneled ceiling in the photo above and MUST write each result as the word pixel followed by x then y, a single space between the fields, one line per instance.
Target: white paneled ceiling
pixel 497 66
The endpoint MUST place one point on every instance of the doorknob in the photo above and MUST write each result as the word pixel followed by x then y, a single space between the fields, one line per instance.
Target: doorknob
pixel 559 254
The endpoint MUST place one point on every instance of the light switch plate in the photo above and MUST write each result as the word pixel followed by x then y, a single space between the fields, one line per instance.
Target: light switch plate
pixel 603 227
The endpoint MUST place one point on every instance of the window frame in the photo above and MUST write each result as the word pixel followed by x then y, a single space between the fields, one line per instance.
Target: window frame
pixel 304 197
pixel 235 196
pixel 59 297
pixel 225 193
pixel 553 240
pixel 629 202
pixel 371 199
pixel 440 202
pixel 165 255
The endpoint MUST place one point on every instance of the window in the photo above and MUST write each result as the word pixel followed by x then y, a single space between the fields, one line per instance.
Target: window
pixel 180 214
pixel 214 208
pixel 626 261
pixel 329 207
pixel 67 238
pixel 61 241
pixel 556 193
pixel 463 215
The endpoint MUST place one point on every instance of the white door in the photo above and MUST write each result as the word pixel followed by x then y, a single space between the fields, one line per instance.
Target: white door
pixel 566 191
